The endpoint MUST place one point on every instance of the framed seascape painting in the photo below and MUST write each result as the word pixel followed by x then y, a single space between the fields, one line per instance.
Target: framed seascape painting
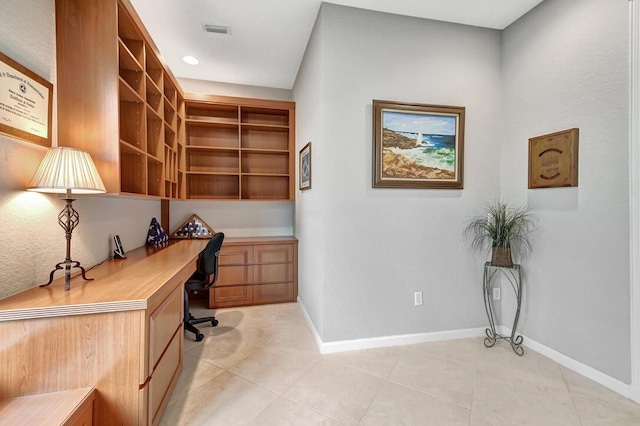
pixel 305 167
pixel 417 146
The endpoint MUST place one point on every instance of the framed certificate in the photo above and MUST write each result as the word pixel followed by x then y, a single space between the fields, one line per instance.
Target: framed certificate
pixel 25 103
pixel 553 160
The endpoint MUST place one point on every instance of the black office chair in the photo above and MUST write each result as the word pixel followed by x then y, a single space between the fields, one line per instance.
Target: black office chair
pixel 201 280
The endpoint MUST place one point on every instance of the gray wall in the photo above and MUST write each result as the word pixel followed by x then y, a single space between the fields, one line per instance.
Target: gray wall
pixel 372 249
pixel 229 89
pixel 310 230
pixel 565 64
pixel 366 251
pixel 237 218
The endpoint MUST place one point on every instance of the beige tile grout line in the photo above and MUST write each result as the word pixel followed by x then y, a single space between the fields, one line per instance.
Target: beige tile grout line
pixel 384 381
pixel 303 405
pixel 473 392
pixel 573 403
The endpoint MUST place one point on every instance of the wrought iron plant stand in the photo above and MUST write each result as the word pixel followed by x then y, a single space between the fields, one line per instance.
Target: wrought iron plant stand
pixel 514 276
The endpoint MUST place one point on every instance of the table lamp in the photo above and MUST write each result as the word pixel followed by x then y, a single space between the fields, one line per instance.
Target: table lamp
pixel 67 171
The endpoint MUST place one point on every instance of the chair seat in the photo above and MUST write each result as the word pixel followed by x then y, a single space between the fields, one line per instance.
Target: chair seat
pixel 201 280
pixel 196 282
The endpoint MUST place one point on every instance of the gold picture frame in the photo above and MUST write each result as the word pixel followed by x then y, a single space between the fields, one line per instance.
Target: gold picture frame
pixel 553 159
pixel 26 102
pixel 417 145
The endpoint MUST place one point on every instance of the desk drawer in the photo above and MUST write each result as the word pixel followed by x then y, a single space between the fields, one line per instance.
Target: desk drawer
pixel 273 293
pixel 235 275
pixel 256 271
pixel 236 255
pixel 274 253
pixel 168 369
pixel 163 324
pixel 223 297
pixel 275 273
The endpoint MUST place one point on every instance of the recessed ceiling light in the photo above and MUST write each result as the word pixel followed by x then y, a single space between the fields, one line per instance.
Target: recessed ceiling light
pixel 191 60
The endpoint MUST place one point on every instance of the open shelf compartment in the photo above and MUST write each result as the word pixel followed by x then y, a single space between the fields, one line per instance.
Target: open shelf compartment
pixel 169 114
pixel 155 72
pixel 216 161
pixel 268 116
pixel 133 171
pixel 265 163
pixel 127 92
pixel 155 181
pixel 154 97
pixel 170 91
pixel 265 187
pixel 265 138
pixel 209 112
pixel 155 134
pixel 213 135
pixel 211 186
pixel 132 123
pixel 130 36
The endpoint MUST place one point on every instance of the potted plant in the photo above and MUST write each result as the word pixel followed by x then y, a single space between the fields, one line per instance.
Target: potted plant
pixel 503 230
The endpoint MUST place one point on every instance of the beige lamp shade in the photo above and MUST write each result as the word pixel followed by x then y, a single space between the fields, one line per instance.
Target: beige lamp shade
pixel 65 169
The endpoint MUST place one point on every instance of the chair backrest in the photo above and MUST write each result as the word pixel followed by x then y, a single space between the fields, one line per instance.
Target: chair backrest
pixel 208 259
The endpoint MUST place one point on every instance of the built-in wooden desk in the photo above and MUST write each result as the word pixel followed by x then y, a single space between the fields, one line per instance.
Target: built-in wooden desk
pixel 121 333
pixel 256 270
pixel 67 408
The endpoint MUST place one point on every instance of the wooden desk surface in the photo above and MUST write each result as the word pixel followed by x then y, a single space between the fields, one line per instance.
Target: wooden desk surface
pixel 118 285
pixel 42 409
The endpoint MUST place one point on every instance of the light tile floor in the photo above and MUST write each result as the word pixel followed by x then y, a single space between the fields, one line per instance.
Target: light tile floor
pixel 261 366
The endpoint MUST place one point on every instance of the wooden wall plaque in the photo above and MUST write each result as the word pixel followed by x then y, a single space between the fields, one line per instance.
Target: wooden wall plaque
pixel 553 160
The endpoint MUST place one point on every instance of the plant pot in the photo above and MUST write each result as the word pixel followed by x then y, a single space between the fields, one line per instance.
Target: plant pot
pixel 501 256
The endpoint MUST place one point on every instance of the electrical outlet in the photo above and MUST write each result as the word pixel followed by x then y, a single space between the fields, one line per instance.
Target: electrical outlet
pixel 417 298
pixel 496 293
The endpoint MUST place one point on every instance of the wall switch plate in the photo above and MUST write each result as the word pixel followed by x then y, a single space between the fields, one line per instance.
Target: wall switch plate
pixel 496 293
pixel 417 298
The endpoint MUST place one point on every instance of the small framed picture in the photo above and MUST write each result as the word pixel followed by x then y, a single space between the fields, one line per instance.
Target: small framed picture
pixel 553 160
pixel 305 167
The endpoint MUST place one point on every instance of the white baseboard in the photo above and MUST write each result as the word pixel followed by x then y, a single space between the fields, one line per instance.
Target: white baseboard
pixel 386 341
pixel 398 340
pixel 407 339
pixel 312 327
pixel 570 363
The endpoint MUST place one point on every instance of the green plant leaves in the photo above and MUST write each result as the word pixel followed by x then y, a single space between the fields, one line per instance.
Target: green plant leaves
pixel 501 226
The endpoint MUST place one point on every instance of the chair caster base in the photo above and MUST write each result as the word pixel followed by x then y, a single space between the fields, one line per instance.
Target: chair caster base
pixel 214 322
pixel 199 337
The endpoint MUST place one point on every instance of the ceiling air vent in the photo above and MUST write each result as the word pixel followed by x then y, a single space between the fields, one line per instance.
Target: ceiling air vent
pixel 217 29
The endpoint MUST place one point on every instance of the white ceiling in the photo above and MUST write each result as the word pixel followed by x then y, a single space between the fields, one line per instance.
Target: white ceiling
pixel 268 37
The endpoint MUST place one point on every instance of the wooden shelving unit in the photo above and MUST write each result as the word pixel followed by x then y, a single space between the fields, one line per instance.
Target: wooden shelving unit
pixel 118 100
pixel 239 148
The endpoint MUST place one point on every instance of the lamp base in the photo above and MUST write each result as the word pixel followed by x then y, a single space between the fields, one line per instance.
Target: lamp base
pixel 66 266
